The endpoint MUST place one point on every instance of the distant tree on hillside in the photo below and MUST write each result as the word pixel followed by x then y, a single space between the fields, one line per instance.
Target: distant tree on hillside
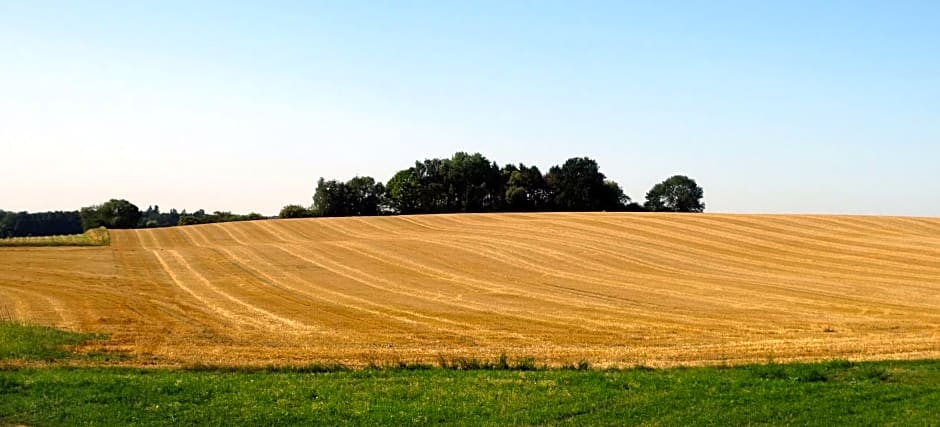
pixel 471 183
pixel 404 192
pixel 613 198
pixel 329 199
pixel 578 185
pixel 526 189
pixel 152 217
pixel 188 220
pixel 677 193
pixel 148 218
pixel 463 183
pixel 201 217
pixel 115 213
pixel 120 213
pixel 360 196
pixel 364 197
pixel 432 186
pixel 294 211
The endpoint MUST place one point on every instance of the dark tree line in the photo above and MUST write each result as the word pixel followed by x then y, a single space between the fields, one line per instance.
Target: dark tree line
pixel 473 183
pixel 24 224
pixel 123 214
pixel 201 217
pixel 152 217
pixel 115 214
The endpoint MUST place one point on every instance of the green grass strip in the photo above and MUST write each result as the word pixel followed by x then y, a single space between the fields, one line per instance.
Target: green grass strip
pixel 826 394
pixel 92 237
pixel 19 341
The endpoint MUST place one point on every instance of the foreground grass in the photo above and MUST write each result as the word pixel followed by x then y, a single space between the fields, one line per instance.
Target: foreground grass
pixel 19 341
pixel 456 392
pixel 93 237
pixel 834 393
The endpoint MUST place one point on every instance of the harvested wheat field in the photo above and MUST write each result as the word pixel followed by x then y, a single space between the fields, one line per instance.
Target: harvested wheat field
pixel 613 289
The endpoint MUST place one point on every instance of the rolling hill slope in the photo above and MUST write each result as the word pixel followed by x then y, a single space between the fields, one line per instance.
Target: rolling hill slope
pixel 621 289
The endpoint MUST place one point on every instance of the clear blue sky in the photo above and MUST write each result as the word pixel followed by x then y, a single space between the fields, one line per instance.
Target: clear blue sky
pixel 794 106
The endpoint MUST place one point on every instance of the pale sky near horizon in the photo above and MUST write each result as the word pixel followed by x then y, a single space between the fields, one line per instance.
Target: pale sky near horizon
pixel 789 107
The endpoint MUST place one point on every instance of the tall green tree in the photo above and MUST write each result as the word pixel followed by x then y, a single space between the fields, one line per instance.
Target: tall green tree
pixel 613 197
pixel 120 213
pixel 404 192
pixel 115 213
pixel 329 198
pixel 472 183
pixel 677 193
pixel 578 185
pixel 433 187
pixel 525 188
pixel 360 196
pixel 364 196
pixel 90 218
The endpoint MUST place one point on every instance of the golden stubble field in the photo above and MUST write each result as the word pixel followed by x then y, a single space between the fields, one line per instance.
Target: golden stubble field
pixel 614 289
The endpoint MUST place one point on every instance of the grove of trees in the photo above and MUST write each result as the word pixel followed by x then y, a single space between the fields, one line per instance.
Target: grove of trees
pixel 472 183
pixel 462 183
